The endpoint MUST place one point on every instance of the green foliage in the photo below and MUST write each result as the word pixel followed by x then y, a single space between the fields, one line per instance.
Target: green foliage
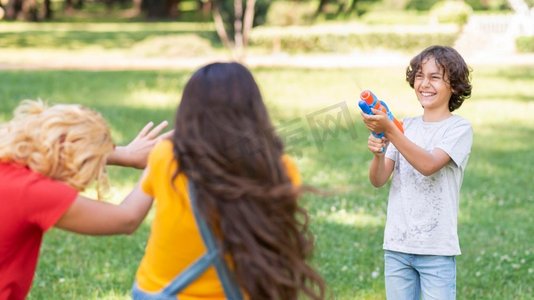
pixel 525 44
pixel 456 12
pixel 310 42
pixel 425 5
pixel 396 5
pixel 491 5
pixel 478 4
pixel 394 17
pixel 261 9
pixel 344 9
pixel 365 6
pixel 421 5
pixel 499 5
pixel 284 13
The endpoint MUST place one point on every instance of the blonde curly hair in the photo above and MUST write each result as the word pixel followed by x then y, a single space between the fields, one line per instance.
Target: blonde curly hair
pixel 65 142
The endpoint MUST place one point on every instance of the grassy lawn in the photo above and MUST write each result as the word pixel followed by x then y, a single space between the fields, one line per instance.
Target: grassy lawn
pixel 78 36
pixel 315 110
pixel 200 38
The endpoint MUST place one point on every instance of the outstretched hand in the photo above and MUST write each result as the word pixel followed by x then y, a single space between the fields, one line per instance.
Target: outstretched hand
pixel 135 154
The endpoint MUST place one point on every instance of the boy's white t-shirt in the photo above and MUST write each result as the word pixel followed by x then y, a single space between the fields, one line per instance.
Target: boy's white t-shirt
pixel 422 214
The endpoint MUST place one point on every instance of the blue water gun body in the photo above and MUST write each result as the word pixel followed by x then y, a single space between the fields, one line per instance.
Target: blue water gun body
pixel 368 101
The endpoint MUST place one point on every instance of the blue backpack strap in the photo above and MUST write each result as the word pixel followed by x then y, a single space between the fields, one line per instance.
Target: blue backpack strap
pixel 231 289
pixel 213 256
pixel 190 274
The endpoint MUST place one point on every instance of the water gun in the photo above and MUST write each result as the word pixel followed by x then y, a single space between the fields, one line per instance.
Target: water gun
pixel 368 101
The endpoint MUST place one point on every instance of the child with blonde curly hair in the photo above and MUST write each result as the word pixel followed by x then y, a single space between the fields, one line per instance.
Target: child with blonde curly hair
pixel 47 156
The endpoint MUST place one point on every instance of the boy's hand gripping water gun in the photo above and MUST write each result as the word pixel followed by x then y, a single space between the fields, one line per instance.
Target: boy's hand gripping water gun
pixel 368 101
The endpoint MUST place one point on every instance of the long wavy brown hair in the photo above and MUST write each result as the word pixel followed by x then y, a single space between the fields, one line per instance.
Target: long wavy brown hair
pixel 225 143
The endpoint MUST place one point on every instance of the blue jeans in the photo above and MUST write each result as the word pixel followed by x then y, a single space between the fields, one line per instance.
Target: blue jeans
pixel 138 294
pixel 412 276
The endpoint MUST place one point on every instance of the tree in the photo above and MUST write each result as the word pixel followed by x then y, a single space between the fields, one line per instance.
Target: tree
pixel 22 9
pixel 234 21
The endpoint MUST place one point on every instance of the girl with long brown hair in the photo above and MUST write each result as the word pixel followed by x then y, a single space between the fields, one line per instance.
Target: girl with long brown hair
pixel 247 192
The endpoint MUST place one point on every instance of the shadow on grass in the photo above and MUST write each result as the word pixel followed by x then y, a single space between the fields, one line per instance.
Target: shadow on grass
pixel 72 266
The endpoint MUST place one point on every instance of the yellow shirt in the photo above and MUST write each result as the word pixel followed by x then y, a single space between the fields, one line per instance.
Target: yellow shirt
pixel 175 241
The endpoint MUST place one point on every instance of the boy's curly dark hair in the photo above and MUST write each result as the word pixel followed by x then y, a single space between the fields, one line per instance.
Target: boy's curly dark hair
pixel 452 64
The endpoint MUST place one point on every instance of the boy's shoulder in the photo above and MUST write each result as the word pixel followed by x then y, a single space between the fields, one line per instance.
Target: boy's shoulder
pixel 459 121
pixel 458 118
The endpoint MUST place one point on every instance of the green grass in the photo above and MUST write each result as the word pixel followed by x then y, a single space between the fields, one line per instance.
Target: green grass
pixel 80 36
pixel 496 231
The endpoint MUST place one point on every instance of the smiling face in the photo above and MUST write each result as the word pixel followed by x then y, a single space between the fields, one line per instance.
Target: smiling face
pixel 432 87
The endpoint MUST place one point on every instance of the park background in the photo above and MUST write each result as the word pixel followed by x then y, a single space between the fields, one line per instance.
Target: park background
pixel 130 60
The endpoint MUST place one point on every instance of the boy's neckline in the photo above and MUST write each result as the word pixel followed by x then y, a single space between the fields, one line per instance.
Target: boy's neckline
pixel 436 121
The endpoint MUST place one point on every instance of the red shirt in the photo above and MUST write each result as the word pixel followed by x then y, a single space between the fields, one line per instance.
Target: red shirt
pixel 30 203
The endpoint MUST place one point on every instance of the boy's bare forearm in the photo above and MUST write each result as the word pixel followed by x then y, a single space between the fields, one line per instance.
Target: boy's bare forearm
pixel 426 163
pixel 378 175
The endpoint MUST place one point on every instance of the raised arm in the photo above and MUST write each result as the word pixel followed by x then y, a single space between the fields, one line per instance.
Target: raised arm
pixel 136 152
pixel 425 162
pixel 381 167
pixel 87 216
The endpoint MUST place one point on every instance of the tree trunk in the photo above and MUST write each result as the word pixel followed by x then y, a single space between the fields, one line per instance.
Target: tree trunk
pixel 248 20
pixel 155 9
pixel 79 4
pixel 160 9
pixel 13 9
pixel 205 7
pixel 69 6
pixel 135 10
pixel 29 10
pixel 172 8
pixel 46 12
pixel 220 28
pixel 320 8
pixel 241 21
pixel 238 30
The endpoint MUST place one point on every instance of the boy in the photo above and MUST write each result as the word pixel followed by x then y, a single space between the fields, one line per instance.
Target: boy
pixel 427 163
